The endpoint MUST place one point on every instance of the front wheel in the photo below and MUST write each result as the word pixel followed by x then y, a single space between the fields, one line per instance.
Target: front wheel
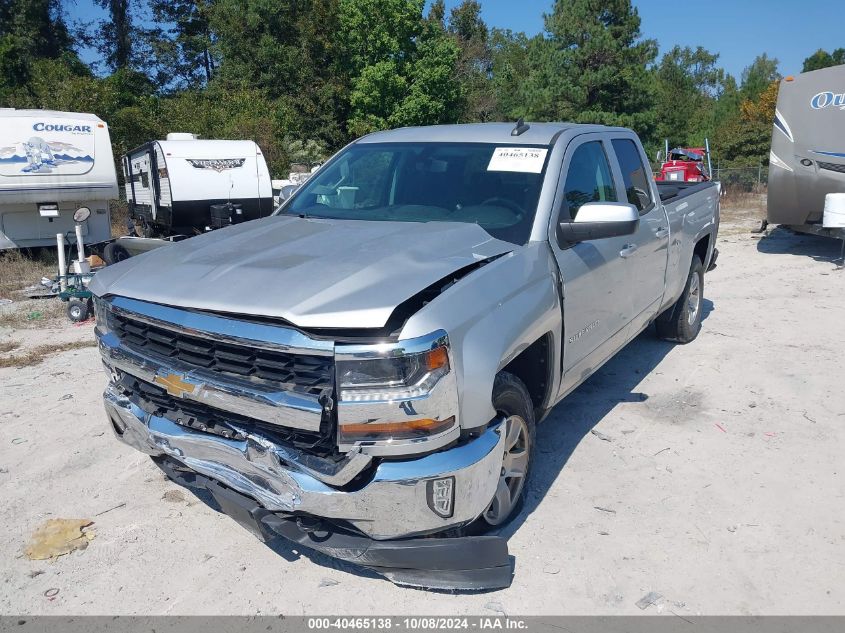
pixel 78 311
pixel 513 402
pixel 682 322
pixel 114 253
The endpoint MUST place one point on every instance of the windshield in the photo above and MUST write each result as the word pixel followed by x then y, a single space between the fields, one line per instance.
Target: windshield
pixel 494 186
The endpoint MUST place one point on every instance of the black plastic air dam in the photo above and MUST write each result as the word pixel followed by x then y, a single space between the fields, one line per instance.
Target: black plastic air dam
pixel 463 563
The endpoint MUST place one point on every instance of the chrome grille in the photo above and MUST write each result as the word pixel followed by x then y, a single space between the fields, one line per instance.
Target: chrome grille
pixel 832 167
pixel 299 372
pixel 201 417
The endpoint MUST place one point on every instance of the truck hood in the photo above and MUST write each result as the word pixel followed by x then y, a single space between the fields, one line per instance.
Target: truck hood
pixel 314 273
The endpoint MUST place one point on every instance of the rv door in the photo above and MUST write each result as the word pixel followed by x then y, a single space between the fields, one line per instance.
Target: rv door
pixel 143 181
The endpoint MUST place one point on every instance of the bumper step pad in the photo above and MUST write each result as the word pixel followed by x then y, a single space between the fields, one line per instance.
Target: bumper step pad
pixel 463 563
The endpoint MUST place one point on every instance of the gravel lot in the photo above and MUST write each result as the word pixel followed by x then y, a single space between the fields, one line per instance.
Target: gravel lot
pixel 715 480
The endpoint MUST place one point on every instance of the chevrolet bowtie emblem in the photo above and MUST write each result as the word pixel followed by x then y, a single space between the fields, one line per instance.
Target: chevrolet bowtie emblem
pixel 175 385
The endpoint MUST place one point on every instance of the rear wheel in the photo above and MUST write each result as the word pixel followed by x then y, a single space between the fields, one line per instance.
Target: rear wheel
pixel 512 401
pixel 682 322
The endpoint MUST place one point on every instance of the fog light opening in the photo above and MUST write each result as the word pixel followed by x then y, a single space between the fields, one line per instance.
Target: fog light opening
pixel 117 424
pixel 440 494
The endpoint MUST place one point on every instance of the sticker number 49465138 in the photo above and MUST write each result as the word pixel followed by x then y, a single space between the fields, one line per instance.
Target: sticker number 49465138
pixel 524 159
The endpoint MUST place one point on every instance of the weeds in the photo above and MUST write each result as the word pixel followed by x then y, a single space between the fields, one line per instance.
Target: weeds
pixel 8 346
pixel 40 353
pixel 119 217
pixel 19 269
pixel 32 314
pixel 744 204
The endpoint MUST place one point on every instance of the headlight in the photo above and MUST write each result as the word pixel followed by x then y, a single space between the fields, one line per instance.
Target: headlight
pixel 392 378
pixel 101 313
pixel 395 394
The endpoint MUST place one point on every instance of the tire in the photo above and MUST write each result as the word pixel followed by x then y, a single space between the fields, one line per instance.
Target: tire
pixel 511 400
pixel 114 253
pixel 77 311
pixel 682 322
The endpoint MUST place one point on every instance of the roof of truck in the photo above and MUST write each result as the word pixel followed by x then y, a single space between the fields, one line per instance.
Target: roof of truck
pixel 53 114
pixel 536 134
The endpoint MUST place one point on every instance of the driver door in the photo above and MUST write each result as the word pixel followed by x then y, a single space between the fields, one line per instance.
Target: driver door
pixel 597 302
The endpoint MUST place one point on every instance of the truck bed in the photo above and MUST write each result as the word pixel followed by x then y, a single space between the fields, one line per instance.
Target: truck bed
pixel 674 191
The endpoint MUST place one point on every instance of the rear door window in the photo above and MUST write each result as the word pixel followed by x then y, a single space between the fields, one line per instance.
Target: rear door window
pixel 636 177
pixel 588 179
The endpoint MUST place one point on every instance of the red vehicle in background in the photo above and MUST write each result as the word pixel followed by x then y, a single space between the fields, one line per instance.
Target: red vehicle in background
pixel 686 164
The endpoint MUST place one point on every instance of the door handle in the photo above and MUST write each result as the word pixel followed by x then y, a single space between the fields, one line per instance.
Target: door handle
pixel 662 232
pixel 628 250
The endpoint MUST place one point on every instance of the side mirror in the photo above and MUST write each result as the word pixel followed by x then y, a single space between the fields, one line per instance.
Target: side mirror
pixel 81 214
pixel 598 220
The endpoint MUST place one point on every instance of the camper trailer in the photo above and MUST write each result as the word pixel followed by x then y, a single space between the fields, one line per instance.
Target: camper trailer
pixel 51 164
pixel 186 186
pixel 807 160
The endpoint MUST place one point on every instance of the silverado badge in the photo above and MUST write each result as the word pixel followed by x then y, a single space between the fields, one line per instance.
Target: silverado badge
pixel 175 384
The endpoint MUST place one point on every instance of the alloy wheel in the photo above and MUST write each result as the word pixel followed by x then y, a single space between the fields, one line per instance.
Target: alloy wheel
pixel 513 472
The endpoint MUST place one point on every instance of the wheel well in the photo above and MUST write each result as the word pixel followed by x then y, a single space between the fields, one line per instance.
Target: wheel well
pixel 532 366
pixel 701 248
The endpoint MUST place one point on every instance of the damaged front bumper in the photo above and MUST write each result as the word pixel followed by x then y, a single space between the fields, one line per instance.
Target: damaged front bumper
pixel 479 562
pixel 403 498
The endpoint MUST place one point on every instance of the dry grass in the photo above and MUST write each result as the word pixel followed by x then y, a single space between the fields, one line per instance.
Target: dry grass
pixel 40 353
pixel 119 217
pixel 743 206
pixel 33 314
pixel 19 269
pixel 8 346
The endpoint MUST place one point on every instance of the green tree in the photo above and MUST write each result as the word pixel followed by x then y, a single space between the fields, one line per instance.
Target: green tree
pixel 744 140
pixel 374 31
pixel 758 76
pixel 688 82
pixel 115 36
pixel 475 64
pixel 591 67
pixel 437 14
pixel 31 30
pixel 433 95
pixel 289 52
pixel 822 59
pixel 402 66
pixel 743 117
pixel 181 43
pixel 510 69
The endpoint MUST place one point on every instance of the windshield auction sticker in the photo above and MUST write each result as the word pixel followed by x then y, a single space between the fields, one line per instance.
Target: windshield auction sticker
pixel 525 159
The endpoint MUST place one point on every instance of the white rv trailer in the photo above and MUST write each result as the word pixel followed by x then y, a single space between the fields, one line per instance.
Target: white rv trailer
pixel 172 185
pixel 807 161
pixel 52 163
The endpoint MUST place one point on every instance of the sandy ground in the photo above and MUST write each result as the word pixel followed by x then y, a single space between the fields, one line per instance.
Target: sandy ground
pixel 721 485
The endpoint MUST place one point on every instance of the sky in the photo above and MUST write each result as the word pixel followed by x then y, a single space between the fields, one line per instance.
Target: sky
pixel 788 30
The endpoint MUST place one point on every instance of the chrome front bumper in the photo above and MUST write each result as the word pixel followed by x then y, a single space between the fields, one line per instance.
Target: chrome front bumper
pixel 393 504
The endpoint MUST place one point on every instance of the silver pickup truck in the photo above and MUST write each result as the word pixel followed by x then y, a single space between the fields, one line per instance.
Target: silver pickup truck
pixel 362 372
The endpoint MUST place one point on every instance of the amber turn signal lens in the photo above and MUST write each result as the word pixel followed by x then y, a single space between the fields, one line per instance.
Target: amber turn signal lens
pixel 410 429
pixel 437 358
